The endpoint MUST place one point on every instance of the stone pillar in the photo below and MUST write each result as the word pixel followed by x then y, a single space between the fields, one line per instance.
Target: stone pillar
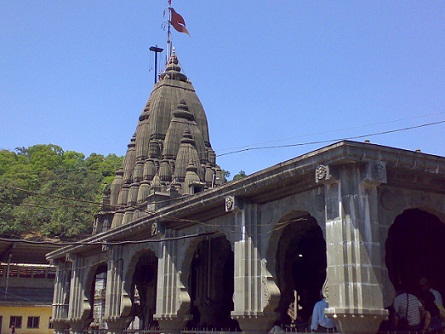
pixel 253 291
pixel 61 296
pixel 117 299
pixel 172 298
pixel 80 307
pixel 354 271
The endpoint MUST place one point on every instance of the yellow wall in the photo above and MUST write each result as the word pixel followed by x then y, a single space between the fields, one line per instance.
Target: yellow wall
pixel 44 312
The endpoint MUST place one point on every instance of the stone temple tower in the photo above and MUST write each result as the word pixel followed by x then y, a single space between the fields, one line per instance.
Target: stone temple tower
pixel 168 157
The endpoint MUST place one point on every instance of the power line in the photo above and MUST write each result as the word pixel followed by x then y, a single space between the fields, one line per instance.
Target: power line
pixel 88 203
pixel 278 226
pixel 331 140
pixel 105 243
pixel 341 129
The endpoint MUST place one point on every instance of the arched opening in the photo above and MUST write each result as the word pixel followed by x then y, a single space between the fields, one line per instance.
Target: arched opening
pixel 300 266
pixel 211 285
pixel 143 291
pixel 97 298
pixel 414 249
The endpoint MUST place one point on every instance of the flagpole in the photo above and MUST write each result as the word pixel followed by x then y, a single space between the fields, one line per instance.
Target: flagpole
pixel 169 49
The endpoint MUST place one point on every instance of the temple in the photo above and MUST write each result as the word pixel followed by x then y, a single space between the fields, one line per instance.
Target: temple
pixel 173 245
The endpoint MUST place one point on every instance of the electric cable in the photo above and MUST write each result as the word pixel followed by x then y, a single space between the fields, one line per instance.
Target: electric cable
pixel 255 148
pixel 331 140
pixel 105 243
pixel 338 130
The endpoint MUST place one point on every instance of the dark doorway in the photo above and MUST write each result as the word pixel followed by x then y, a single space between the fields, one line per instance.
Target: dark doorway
pixel 300 266
pixel 144 290
pixel 211 285
pixel 414 249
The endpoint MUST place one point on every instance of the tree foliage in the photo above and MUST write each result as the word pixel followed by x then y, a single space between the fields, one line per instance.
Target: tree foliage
pixel 240 175
pixel 48 192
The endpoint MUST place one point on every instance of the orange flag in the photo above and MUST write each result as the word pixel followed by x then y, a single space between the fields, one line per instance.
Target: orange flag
pixel 178 22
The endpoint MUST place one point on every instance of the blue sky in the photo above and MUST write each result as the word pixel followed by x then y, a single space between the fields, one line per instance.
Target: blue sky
pixel 268 73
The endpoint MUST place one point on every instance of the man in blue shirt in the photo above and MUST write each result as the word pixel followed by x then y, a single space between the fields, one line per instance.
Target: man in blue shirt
pixel 320 323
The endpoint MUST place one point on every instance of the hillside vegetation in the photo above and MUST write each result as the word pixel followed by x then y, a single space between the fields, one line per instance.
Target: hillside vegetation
pixel 46 192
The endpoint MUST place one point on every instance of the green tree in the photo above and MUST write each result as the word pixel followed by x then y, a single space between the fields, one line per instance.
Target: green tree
pixel 225 175
pixel 240 175
pixel 45 191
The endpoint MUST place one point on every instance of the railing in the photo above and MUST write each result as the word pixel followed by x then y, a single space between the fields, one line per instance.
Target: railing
pixel 200 331
pixel 209 331
pixel 143 331
pixel 214 331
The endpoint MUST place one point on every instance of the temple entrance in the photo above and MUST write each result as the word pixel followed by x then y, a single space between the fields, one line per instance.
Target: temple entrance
pixel 143 291
pixel 414 249
pixel 211 285
pixel 300 266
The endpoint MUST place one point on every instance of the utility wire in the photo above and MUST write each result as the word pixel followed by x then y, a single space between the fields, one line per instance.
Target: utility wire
pixel 341 129
pixel 332 140
pixel 277 226
pixel 233 152
pixel 105 243
pixel 250 149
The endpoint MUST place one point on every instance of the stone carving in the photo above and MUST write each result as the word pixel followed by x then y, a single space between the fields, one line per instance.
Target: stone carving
pixel 230 203
pixel 375 172
pixel 378 171
pixel 154 229
pixel 233 204
pixel 271 294
pixel 323 174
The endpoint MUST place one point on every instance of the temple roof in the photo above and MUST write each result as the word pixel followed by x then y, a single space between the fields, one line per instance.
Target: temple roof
pixel 171 144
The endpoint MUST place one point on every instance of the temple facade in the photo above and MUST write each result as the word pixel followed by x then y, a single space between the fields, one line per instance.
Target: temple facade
pixel 173 245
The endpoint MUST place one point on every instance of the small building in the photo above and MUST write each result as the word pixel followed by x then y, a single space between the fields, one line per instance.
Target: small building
pixel 26 288
pixel 181 249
